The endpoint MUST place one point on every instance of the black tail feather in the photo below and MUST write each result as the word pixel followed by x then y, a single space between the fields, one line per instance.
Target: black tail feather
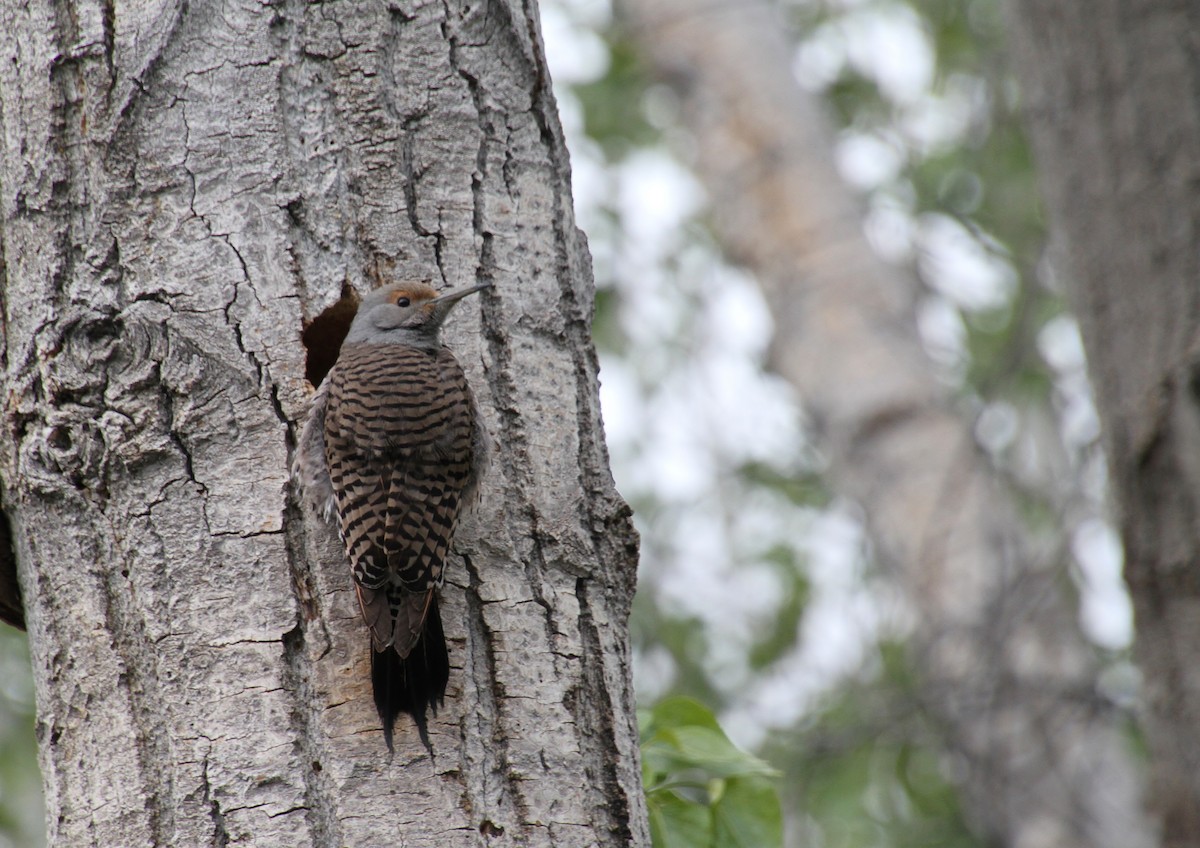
pixel 414 684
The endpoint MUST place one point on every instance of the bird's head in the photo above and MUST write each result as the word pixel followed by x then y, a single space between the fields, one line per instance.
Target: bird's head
pixel 405 313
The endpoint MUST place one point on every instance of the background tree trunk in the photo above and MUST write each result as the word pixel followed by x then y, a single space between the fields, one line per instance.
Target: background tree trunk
pixel 1113 105
pixel 1002 664
pixel 185 185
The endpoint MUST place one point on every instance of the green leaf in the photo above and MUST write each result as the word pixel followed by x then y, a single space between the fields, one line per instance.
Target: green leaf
pixel 694 747
pixel 644 719
pixel 677 823
pixel 747 815
pixel 682 712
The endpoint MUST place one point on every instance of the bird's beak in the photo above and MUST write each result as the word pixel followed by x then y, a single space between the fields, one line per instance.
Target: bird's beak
pixel 448 298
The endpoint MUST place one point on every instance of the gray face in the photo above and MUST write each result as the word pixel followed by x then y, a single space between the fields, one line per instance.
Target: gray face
pixel 396 306
pixel 406 313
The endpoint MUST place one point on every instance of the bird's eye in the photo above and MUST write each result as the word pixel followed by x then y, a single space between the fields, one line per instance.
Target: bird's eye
pixel 402 302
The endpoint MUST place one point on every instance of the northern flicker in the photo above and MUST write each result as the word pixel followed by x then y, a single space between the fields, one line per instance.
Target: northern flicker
pixel 394 447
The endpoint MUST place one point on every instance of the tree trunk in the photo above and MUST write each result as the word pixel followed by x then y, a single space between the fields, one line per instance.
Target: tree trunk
pixel 1113 105
pixel 1003 667
pixel 185 186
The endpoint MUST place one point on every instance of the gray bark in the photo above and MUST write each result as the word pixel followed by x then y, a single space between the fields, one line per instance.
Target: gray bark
pixel 1002 665
pixel 184 185
pixel 1112 97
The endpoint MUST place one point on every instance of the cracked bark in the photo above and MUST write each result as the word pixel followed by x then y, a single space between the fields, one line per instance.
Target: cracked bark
pixel 185 188
pixel 1002 666
pixel 1112 100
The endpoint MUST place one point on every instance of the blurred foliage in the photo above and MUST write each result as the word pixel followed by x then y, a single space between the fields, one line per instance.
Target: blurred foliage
pixel 864 765
pixel 617 122
pixel 702 791
pixel 872 770
pixel 777 639
pixel 985 179
pixel 22 823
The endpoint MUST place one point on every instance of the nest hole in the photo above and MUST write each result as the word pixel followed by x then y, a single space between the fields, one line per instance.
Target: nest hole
pixel 323 337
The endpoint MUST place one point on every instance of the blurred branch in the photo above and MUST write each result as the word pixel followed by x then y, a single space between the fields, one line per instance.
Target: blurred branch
pixel 1111 104
pixel 1001 661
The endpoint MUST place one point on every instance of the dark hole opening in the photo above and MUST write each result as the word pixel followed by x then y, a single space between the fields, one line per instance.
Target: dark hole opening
pixel 490 828
pixel 11 608
pixel 59 438
pixel 324 336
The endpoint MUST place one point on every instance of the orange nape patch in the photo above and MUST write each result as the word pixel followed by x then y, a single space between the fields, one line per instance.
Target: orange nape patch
pixel 324 336
pixel 415 292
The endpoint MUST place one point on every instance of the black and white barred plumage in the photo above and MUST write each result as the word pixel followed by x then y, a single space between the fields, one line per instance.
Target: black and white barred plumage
pixel 393 449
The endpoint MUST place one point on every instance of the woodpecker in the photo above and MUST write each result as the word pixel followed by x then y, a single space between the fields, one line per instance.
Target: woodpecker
pixel 394 448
